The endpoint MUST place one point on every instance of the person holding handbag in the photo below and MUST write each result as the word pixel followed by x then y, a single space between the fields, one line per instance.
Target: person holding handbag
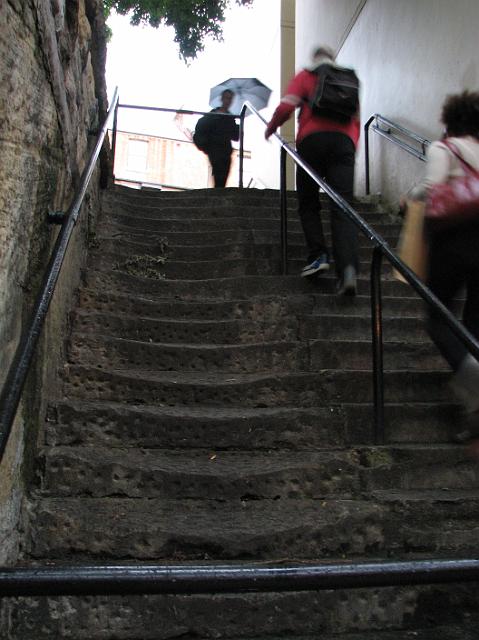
pixel 452 228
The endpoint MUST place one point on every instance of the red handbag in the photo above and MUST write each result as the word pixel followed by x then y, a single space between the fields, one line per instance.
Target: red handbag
pixel 456 201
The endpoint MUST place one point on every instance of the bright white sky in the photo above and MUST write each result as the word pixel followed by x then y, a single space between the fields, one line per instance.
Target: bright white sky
pixel 144 63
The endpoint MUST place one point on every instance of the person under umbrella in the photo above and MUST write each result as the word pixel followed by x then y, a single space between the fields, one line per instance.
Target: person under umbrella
pixel 213 135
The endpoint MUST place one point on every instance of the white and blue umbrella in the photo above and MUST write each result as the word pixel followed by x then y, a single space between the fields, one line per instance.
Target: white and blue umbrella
pixel 245 90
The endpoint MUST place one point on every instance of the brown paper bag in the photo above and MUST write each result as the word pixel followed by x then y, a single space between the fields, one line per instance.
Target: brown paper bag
pixel 412 245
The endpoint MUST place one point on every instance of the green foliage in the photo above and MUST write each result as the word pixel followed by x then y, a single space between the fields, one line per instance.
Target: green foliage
pixel 193 20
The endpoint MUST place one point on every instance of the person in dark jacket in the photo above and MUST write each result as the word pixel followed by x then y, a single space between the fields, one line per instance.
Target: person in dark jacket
pixel 216 133
pixel 329 147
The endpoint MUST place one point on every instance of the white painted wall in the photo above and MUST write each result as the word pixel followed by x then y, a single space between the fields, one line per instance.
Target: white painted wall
pixel 409 55
pixel 265 155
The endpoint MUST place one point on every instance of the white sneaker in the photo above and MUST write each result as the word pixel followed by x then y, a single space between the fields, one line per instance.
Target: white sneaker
pixel 347 284
pixel 320 264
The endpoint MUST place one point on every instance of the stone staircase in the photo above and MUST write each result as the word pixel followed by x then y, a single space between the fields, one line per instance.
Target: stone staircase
pixel 213 411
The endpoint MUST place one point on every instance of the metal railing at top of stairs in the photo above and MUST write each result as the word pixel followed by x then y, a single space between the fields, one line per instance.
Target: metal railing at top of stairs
pixel 188 112
pixel 15 381
pixel 380 249
pixel 395 133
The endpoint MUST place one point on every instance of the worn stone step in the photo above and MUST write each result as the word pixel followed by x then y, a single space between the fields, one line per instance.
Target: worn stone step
pixel 164 266
pixel 228 208
pixel 221 475
pixel 251 390
pixel 107 352
pixel 144 197
pixel 209 197
pixel 99 472
pixel 142 225
pixel 266 306
pixel 244 331
pixel 228 288
pixel 189 269
pixel 244 220
pixel 202 238
pixel 357 327
pixel 235 331
pixel 387 523
pixel 225 251
pixel 391 613
pixel 270 307
pixel 315 355
pixel 231 195
pixel 114 424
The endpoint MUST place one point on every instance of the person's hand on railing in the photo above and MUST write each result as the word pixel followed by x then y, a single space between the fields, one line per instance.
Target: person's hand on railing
pixel 269 131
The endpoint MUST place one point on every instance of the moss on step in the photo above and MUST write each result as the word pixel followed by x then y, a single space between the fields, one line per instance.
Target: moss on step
pixel 377 458
pixel 144 266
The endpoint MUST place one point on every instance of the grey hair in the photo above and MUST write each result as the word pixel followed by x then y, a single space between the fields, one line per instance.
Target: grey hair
pixel 323 52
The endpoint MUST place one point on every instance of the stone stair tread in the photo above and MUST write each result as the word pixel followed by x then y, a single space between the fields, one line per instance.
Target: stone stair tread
pixel 138 304
pixel 97 335
pixel 261 475
pixel 202 322
pixel 118 259
pixel 254 279
pixel 218 378
pixel 222 427
pixel 243 353
pixel 351 315
pixel 239 307
pixel 227 288
pixel 322 387
pixel 238 463
pixel 220 413
pixel 215 228
pixel 350 615
pixel 155 528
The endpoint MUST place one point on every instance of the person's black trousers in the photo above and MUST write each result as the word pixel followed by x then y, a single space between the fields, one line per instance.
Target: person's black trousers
pixel 453 266
pixel 332 156
pixel 220 160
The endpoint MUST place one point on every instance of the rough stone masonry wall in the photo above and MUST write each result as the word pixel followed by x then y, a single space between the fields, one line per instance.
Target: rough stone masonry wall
pixel 52 98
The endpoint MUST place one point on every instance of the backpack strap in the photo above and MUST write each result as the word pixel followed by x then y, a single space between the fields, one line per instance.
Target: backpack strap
pixel 455 151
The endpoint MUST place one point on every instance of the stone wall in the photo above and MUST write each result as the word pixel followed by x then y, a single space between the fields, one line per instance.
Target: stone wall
pixel 52 99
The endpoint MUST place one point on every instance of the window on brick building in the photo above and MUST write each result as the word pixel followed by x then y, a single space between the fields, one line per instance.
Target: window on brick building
pixel 137 155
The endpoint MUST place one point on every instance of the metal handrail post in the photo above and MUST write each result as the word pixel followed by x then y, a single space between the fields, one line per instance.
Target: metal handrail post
pixel 113 142
pixel 284 213
pixel 366 152
pixel 241 146
pixel 377 345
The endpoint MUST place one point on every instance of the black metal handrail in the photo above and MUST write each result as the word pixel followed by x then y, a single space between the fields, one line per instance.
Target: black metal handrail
pixel 20 365
pixel 380 249
pixel 85 580
pixel 386 128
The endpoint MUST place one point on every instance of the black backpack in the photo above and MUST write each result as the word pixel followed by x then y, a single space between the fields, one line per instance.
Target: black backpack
pixel 336 95
pixel 201 134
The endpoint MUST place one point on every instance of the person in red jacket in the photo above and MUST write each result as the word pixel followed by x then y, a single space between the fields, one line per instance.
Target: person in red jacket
pixel 329 147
